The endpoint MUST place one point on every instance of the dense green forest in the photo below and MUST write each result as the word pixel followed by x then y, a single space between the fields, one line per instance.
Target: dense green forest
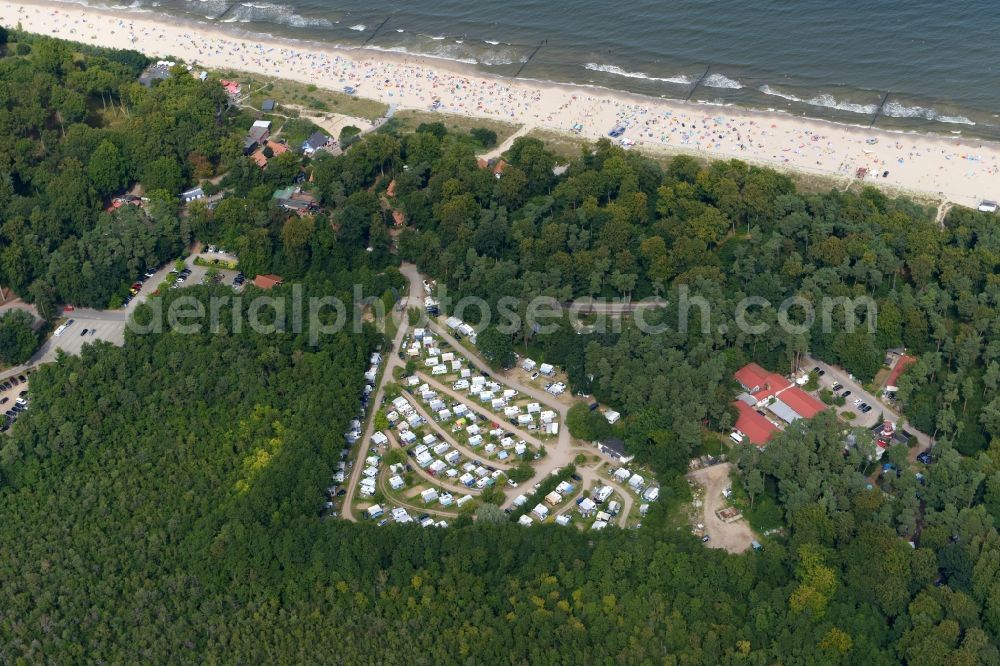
pixel 76 129
pixel 18 340
pixel 617 224
pixel 160 505
pixel 160 502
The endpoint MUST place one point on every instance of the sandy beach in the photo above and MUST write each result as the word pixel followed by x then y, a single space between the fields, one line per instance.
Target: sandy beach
pixel 955 169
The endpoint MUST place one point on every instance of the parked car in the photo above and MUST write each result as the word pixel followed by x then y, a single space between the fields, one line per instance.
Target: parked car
pixel 706 539
pixel 924 457
pixel 845 393
pixel 837 387
pixel 83 333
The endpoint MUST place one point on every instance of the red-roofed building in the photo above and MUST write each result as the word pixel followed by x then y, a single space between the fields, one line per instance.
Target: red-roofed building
pixel 760 383
pixel 260 158
pixel 232 87
pixel 801 402
pixel 391 190
pixel 771 391
pixel 398 218
pixel 901 365
pixel 267 281
pixel 755 427
pixel 751 377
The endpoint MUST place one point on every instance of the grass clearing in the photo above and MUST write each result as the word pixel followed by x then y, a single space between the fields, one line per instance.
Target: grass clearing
pixel 566 146
pixel 408 121
pixel 308 96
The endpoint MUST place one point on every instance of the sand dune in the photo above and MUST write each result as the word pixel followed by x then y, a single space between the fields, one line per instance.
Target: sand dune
pixel 959 170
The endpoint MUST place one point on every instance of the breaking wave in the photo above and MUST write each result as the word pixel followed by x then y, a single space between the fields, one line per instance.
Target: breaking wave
pixel 266 12
pixel 618 71
pixel 897 110
pixel 824 100
pixel 721 81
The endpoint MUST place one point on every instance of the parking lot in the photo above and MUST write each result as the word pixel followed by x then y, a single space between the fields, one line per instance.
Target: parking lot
pixel 833 376
pixel 88 327
pixel 10 395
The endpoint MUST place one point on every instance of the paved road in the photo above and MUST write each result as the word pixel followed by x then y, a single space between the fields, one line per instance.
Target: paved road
pixel 839 375
pixel 391 360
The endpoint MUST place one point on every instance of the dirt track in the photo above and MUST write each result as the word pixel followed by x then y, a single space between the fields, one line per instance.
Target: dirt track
pixel 735 537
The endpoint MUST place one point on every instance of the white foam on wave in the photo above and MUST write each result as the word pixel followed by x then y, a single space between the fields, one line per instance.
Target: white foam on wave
pixel 824 100
pixel 267 12
pixel 618 71
pixel 423 54
pixel 135 7
pixel 490 41
pixel 359 27
pixel 490 59
pixel 721 81
pixel 897 110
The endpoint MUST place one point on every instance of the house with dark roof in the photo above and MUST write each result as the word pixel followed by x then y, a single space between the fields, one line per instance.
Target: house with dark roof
pixel 267 105
pixel 192 194
pixel 315 142
pixel 296 200
pixel 614 448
